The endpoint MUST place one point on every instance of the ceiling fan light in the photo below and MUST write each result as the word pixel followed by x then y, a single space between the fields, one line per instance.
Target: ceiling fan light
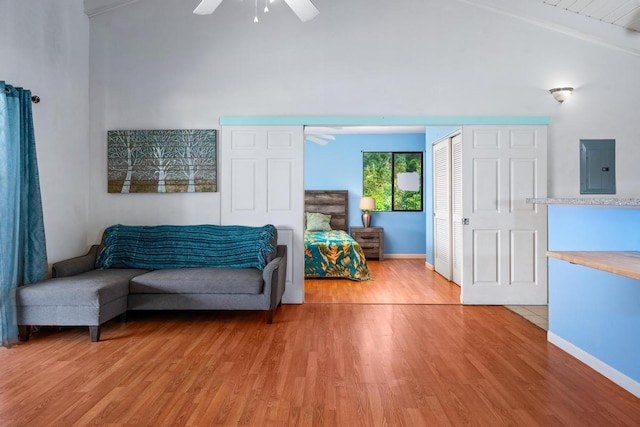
pixel 304 9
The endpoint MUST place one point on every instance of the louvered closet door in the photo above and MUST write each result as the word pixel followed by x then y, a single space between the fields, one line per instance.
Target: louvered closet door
pixel 441 208
pixel 456 209
pixel 261 182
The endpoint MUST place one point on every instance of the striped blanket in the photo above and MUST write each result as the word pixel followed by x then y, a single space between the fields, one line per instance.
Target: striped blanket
pixel 178 246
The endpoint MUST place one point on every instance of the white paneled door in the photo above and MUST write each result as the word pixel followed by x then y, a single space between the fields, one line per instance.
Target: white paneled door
pixel 261 182
pixel 505 238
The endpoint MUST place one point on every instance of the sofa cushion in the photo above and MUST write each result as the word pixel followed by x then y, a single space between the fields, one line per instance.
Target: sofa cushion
pixel 87 289
pixel 199 281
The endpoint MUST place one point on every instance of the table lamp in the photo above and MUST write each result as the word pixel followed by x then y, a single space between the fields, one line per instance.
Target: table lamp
pixel 367 204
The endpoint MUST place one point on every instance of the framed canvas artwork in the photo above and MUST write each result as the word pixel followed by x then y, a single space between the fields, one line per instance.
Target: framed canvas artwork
pixel 162 161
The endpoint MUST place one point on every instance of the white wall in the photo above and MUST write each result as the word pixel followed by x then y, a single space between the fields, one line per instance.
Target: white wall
pixel 45 48
pixel 133 87
pixel 155 65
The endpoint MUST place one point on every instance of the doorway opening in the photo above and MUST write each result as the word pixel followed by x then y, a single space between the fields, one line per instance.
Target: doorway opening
pixel 333 160
pixel 504 162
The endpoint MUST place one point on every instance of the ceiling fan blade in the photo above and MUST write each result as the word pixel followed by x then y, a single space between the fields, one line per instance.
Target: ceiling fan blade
pixel 325 136
pixel 317 140
pixel 318 134
pixel 305 10
pixel 206 7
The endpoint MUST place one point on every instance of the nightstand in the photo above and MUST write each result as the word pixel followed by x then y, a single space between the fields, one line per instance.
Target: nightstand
pixel 371 240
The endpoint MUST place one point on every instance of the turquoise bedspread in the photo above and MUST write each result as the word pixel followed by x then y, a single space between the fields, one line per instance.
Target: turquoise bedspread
pixel 179 246
pixel 334 254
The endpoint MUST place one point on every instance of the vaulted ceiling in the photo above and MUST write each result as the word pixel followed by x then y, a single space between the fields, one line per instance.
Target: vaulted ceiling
pixel 623 13
pixel 612 23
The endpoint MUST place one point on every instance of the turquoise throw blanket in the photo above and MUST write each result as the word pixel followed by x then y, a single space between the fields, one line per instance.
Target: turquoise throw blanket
pixel 177 246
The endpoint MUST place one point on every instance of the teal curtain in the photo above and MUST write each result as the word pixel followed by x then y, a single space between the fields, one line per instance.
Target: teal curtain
pixel 23 254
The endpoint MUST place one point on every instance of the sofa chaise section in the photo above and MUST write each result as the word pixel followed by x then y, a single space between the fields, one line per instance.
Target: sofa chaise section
pixel 77 295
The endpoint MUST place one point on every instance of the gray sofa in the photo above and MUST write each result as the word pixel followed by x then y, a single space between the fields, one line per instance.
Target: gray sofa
pixel 79 294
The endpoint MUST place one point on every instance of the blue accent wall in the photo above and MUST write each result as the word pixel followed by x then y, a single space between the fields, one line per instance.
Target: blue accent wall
pixel 589 228
pixel 596 311
pixel 338 166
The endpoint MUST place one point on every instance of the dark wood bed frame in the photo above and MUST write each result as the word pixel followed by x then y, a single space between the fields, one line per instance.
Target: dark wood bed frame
pixel 329 202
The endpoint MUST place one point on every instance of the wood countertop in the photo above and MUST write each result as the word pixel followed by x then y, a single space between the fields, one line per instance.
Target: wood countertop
pixel 623 263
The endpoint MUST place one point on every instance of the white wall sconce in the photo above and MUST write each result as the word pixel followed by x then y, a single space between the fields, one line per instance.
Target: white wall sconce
pixel 561 94
pixel 367 204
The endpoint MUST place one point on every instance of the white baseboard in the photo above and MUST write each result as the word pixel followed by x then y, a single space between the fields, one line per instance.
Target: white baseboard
pixel 627 383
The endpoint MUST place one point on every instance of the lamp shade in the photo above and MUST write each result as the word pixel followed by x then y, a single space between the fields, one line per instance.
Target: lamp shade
pixel 367 203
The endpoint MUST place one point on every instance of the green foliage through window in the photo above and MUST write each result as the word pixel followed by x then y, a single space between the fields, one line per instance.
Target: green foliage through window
pixel 380 180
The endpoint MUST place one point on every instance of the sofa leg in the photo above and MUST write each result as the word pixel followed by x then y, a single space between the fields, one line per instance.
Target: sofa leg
pixel 268 316
pixel 94 333
pixel 24 332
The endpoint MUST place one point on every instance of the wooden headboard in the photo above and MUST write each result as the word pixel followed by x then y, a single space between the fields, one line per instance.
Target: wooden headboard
pixel 329 202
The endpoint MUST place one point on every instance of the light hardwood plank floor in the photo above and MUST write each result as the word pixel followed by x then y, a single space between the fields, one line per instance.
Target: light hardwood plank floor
pixel 394 281
pixel 318 364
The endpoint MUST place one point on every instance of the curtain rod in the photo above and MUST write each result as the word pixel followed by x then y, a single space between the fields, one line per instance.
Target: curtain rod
pixel 35 98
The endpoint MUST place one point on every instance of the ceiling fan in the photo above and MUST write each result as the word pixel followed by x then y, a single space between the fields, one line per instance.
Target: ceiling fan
pixel 319 136
pixel 304 9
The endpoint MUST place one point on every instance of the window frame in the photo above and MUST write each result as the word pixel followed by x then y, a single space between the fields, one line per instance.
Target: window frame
pixel 394 179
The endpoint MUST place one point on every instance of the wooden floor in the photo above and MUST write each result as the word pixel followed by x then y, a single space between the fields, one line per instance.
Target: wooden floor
pixel 318 364
pixel 396 281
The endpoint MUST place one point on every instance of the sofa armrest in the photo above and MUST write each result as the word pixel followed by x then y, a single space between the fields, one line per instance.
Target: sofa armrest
pixel 274 276
pixel 77 265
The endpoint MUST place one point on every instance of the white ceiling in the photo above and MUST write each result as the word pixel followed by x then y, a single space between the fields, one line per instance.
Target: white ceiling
pixel 611 23
pixel 623 13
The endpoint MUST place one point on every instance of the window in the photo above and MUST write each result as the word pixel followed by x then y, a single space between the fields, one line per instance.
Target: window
pixel 394 179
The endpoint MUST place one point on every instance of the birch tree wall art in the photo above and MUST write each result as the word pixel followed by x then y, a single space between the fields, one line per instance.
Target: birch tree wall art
pixel 162 161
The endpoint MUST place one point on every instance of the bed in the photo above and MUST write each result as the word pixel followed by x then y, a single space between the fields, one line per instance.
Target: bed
pixel 329 250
